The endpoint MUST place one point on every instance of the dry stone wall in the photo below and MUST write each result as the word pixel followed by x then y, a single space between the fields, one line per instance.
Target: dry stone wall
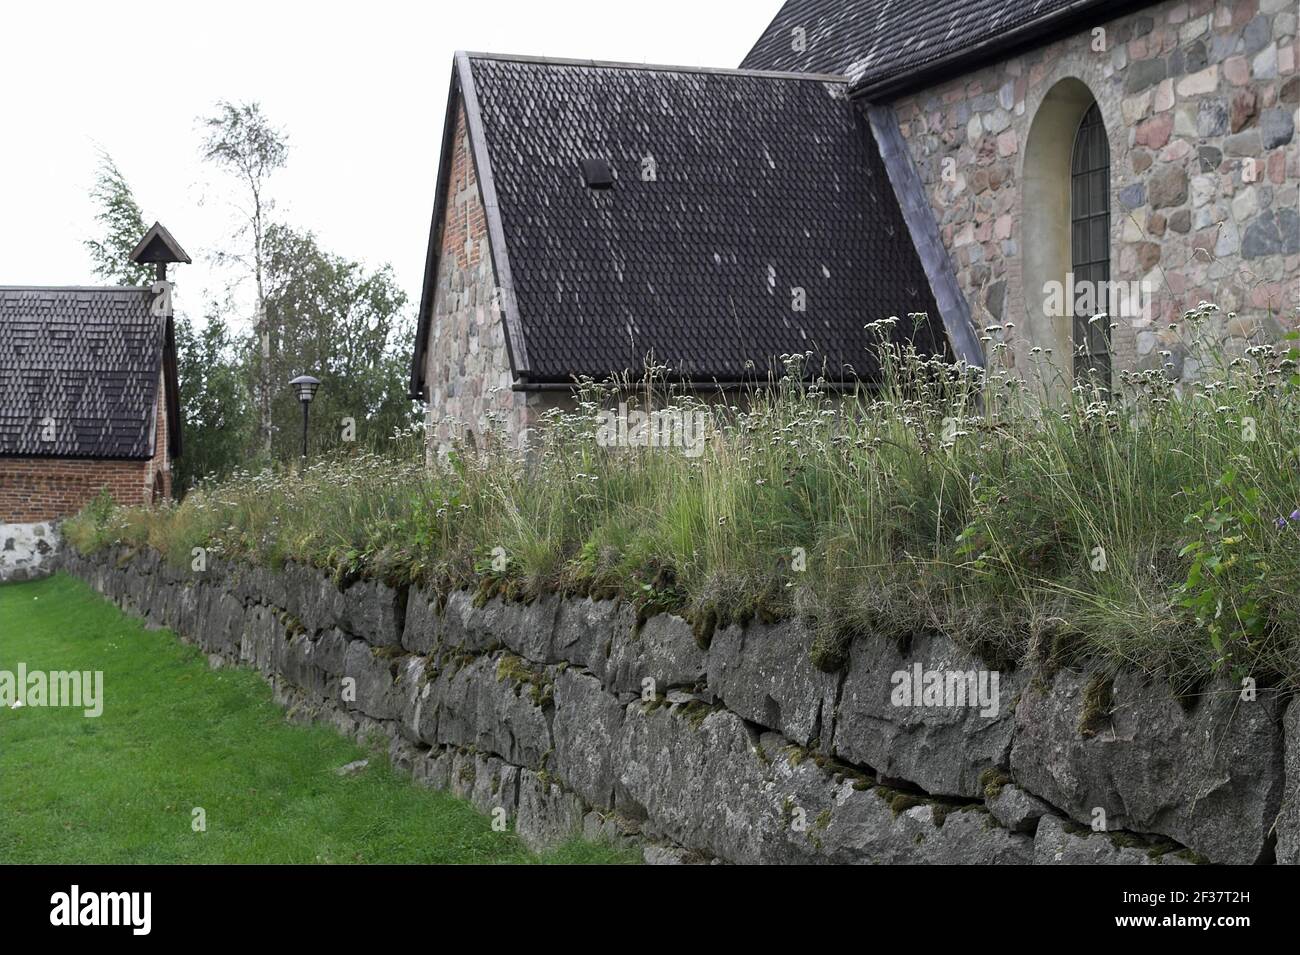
pixel 576 721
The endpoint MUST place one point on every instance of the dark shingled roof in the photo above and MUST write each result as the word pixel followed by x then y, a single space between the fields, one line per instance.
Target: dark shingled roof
pixel 89 358
pixel 763 183
pixel 888 45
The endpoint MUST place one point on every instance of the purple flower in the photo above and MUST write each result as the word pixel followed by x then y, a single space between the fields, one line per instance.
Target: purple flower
pixel 1281 523
pixel 1295 515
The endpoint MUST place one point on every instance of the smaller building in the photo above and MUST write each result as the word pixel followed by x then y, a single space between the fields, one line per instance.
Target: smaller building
pixel 88 399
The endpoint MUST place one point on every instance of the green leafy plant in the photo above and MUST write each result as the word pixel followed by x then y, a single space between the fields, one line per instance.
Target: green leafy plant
pixel 1226 580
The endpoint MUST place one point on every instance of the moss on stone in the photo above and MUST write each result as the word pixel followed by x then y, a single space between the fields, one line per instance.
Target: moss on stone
pixel 992 780
pixel 703 625
pixel 516 670
pixel 829 652
pixel 697 711
pixel 899 802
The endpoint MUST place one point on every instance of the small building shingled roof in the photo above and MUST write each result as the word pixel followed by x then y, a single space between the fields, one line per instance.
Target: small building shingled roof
pixel 89 360
pixel 731 190
pixel 888 46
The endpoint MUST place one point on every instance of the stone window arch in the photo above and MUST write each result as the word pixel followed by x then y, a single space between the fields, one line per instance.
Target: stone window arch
pixel 1067 128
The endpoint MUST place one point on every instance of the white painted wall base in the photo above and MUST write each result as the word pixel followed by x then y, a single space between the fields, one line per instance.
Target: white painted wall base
pixel 27 551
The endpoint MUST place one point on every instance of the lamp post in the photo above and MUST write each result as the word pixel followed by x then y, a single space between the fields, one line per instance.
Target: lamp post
pixel 306 386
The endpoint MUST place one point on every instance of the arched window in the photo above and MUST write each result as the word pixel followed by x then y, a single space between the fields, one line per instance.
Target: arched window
pixel 1090 246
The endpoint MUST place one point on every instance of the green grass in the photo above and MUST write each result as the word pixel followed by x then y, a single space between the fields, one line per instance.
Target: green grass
pixel 175 735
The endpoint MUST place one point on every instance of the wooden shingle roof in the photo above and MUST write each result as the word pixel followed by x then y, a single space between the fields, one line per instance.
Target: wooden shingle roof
pixel 731 190
pixel 81 366
pixel 886 46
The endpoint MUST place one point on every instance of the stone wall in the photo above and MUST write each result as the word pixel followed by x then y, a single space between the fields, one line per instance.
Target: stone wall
pixel 28 550
pixel 572 719
pixel 1200 102
pixel 467 371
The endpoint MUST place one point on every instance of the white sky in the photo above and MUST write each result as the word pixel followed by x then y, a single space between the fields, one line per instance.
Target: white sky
pixel 360 87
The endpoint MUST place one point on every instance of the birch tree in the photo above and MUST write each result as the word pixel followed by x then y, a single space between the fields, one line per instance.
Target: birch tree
pixel 241 141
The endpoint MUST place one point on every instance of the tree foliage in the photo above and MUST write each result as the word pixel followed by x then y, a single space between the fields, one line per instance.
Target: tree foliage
pixel 319 314
pixel 241 140
pixel 121 226
pixel 333 319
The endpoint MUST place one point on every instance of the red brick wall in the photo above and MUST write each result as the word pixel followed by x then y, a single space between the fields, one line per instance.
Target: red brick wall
pixel 45 489
pixel 160 465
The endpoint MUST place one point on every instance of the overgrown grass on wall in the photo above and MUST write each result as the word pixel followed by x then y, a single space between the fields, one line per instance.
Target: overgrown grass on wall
pixel 1162 530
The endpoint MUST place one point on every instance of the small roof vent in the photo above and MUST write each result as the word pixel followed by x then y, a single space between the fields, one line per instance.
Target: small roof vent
pixel 597 174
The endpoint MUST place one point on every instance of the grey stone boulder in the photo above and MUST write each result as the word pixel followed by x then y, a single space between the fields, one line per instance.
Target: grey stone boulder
pixel 422 629
pixel 487 782
pixel 827 817
pixel 377 692
pixel 331 651
pixel 270 587
pixel 374 611
pixel 585 630
pixel 432 768
pixel 463 625
pixel 670 855
pixel 220 630
pixel 1057 844
pixel 315 600
pixel 1288 820
pixel 481 705
pixel 700 781
pixel 548 814
pixel 419 719
pixel 298 667
pixel 262 637
pixel 943 744
pixel 1015 809
pixel 1209 778
pixel 1276 126
pixel 1167 186
pixel 610 829
pixel 586 727
pixel 663 649
pixel 766 675
pixel 1273 232
pixel 527 629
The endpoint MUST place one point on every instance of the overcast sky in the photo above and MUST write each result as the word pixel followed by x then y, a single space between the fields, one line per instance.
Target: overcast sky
pixel 360 87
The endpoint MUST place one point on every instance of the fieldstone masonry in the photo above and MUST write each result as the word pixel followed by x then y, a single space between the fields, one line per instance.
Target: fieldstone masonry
pixel 1200 102
pixel 28 551
pixel 470 384
pixel 744 752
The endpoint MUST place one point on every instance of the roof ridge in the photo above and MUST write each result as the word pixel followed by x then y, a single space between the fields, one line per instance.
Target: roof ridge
pixel 659 67
pixel 75 288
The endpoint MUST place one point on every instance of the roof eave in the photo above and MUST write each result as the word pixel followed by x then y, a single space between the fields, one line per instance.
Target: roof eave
pixel 516 347
pixel 429 288
pixel 464 95
pixel 999 47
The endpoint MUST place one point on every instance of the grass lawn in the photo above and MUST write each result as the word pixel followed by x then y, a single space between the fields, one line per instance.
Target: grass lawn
pixel 174 736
